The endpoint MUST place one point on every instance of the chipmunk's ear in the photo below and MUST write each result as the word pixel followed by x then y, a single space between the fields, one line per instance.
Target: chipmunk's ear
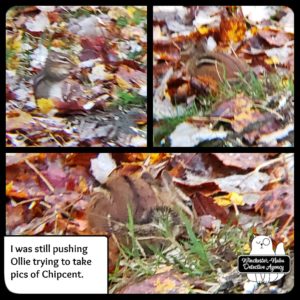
pixel 148 177
pixel 190 48
pixel 203 46
pixel 166 179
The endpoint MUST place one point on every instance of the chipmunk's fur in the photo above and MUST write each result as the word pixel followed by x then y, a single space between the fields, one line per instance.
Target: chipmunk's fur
pixel 218 66
pixel 48 83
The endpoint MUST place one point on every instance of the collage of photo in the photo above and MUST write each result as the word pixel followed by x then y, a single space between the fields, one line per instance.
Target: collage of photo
pixel 109 191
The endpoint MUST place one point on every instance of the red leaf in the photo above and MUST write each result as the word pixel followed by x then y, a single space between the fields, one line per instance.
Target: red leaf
pixel 206 206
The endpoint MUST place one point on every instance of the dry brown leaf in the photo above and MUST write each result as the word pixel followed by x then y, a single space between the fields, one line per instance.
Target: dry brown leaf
pixel 163 283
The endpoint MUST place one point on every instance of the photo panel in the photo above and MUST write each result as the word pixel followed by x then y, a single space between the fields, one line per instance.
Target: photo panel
pixel 76 76
pixel 174 223
pixel 106 221
pixel 223 76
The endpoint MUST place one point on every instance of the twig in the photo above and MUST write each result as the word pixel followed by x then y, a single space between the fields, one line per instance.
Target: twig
pixel 233 51
pixel 236 209
pixel 151 237
pixel 268 163
pixel 113 236
pixel 245 81
pixel 55 139
pixel 269 110
pixel 48 184
pixel 69 215
pixel 28 201
pixel 198 119
pixel 217 70
pixel 158 95
pixel 53 215
pixel 26 138
pixel 56 222
pixel 273 161
pixel 290 218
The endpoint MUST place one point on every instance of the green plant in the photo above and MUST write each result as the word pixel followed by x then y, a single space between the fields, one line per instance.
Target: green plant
pixel 254 87
pixel 166 126
pixel 127 99
pixel 122 22
pixel 190 257
pixel 196 245
pixel 135 54
pixel 130 226
pixel 138 17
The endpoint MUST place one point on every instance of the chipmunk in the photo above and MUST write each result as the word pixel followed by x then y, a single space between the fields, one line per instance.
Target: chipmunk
pixel 199 61
pixel 218 66
pixel 150 201
pixel 48 83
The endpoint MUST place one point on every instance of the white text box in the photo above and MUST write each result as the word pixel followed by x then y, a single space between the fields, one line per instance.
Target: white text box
pixel 63 264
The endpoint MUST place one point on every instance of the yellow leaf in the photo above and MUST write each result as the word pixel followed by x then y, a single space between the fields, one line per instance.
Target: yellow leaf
pixel 13 47
pixel 222 201
pixel 123 84
pixel 165 286
pixel 236 34
pixel 284 82
pixel 232 29
pixel 236 198
pixel 164 269
pixel 203 29
pixel 14 42
pixel 131 10
pixel 9 187
pixel 45 105
pixel 247 249
pixel 229 199
pixel 158 157
pixel 254 30
pixel 273 60
pixel 58 43
pixel 167 95
pixel 83 186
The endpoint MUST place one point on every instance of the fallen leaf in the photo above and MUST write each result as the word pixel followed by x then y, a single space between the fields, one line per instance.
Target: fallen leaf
pixel 38 24
pixel 232 29
pixel 189 135
pixel 206 206
pixel 20 120
pixel 242 161
pixel 45 105
pixel 276 203
pixel 102 166
pixel 162 283
pixel 229 199
pixel 275 37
